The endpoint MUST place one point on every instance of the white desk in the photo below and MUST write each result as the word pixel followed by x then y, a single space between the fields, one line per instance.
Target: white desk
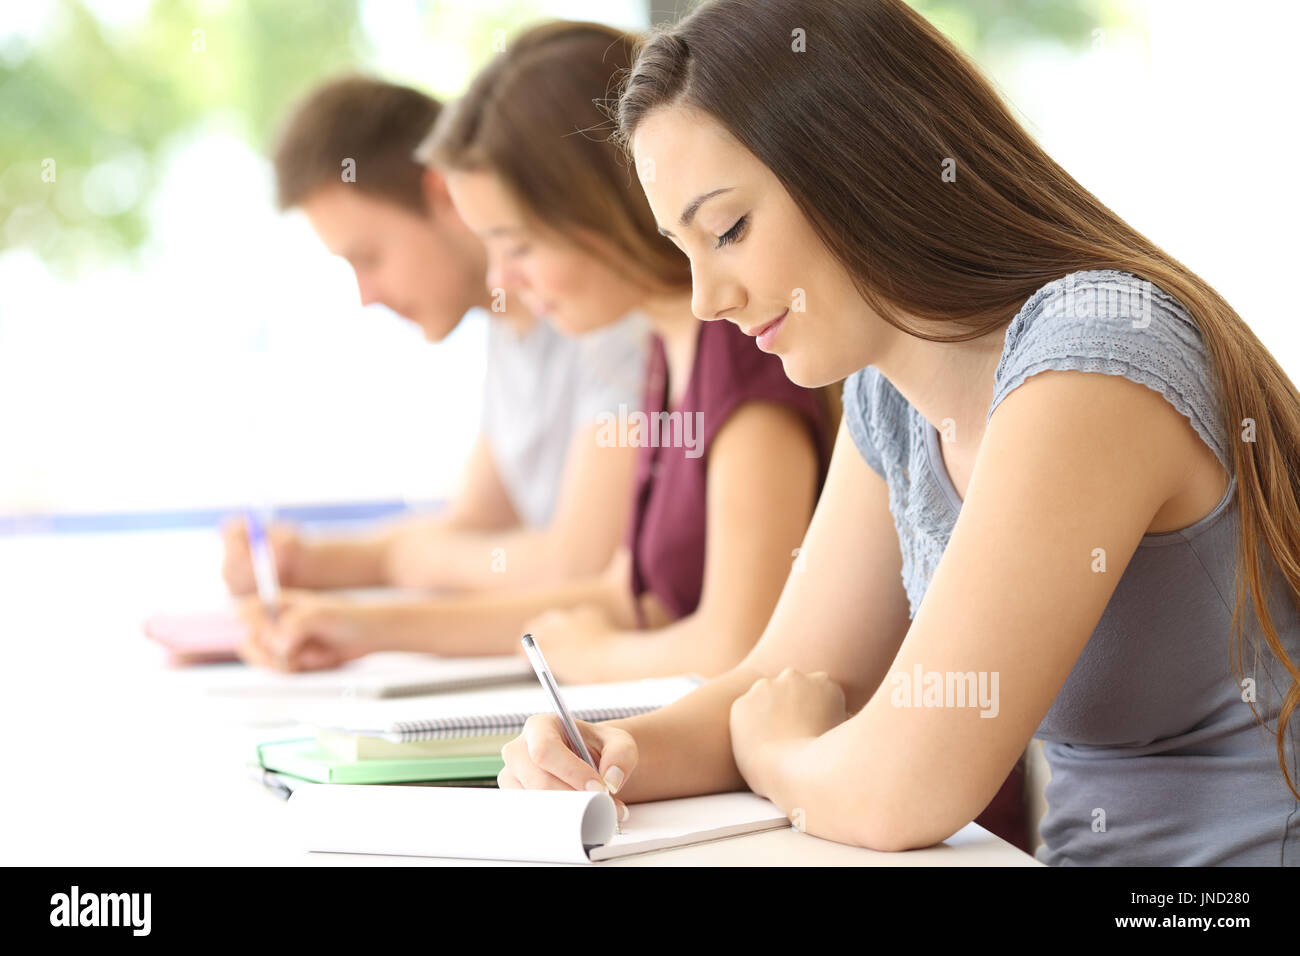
pixel 113 760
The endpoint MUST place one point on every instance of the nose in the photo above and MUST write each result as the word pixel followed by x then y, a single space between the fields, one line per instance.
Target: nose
pixel 368 290
pixel 369 294
pixel 714 296
pixel 495 278
pixel 502 275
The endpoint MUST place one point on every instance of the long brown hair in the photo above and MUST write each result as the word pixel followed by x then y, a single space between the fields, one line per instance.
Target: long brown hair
pixel 854 105
pixel 544 92
pixel 536 117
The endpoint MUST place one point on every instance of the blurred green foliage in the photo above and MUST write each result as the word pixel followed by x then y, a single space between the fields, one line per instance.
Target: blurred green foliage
pixel 88 107
pixel 92 105
pixel 986 27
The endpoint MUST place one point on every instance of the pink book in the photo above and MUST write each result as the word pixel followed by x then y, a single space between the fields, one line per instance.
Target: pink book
pixel 202 638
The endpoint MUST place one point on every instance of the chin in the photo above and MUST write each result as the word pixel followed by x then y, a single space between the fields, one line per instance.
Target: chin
pixel 817 370
pixel 439 332
pixel 804 373
pixel 574 325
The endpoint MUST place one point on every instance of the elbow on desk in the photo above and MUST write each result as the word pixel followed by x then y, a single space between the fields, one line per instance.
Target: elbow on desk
pixel 886 837
pixel 896 823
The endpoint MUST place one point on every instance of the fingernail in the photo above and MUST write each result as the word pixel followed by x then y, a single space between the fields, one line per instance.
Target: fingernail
pixel 614 778
pixel 595 785
pixel 623 813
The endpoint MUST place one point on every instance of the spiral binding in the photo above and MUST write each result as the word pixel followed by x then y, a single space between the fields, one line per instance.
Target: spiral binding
pixel 408 731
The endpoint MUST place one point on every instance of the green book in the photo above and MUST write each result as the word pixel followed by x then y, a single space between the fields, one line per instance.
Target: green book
pixel 307 759
pixel 358 747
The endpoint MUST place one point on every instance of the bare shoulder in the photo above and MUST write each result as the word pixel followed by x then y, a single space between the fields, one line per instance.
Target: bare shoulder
pixel 763 424
pixel 1109 424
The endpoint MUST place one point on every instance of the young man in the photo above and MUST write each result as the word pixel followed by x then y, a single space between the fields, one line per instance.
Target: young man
pixel 542 500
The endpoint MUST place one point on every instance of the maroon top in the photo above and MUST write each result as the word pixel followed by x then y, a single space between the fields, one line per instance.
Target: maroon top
pixel 667 535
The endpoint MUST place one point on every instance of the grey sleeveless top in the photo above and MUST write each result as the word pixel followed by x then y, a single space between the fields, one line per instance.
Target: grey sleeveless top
pixel 1155 756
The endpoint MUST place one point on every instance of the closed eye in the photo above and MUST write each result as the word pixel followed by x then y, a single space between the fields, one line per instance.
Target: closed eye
pixel 734 233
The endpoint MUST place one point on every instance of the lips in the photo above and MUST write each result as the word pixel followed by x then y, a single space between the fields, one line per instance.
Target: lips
pixel 537 307
pixel 766 335
pixel 763 328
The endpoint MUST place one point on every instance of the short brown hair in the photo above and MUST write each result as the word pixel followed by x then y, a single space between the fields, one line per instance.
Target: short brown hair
pixel 374 123
pixel 534 117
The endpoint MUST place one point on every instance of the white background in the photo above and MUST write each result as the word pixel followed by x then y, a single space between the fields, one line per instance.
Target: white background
pixel 236 365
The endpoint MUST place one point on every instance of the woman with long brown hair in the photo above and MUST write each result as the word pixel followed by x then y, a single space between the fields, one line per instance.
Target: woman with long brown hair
pixel 713 527
pixel 1064 498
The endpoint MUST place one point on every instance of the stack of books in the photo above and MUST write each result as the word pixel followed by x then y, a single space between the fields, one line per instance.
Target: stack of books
pixel 451 739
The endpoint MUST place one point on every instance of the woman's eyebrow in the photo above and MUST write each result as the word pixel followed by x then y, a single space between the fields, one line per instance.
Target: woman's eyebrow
pixel 693 207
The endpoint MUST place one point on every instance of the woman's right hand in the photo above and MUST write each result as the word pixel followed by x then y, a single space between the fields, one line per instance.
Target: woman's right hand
pixel 540 759
pixel 311 631
pixel 237 561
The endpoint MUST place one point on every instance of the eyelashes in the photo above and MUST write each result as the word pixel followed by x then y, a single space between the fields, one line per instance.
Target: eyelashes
pixel 734 233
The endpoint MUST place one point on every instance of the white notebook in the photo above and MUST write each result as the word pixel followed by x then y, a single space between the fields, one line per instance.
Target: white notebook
pixel 499 710
pixel 541 826
pixel 382 674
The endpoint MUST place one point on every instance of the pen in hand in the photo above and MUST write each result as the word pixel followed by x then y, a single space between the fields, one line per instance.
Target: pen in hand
pixel 570 729
pixel 265 573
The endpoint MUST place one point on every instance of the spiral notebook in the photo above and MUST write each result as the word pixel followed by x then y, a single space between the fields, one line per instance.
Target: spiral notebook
pixel 498 711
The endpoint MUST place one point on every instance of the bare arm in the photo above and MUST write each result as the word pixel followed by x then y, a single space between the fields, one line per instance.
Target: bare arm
pixel 762 487
pixel 481 502
pixel 1071 462
pixel 314 630
pixel 369 559
pixel 843 610
pixel 317 631
pixel 589 521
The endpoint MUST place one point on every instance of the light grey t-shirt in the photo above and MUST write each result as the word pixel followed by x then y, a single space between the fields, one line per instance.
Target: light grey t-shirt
pixel 1155 758
pixel 541 387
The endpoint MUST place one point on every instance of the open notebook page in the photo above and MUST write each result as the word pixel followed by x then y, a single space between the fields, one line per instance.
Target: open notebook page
pixel 544 826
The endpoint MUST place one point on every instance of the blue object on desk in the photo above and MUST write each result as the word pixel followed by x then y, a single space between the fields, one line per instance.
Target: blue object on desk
pixel 197 518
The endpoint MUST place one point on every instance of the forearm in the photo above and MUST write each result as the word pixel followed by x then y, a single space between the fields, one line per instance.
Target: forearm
pixel 696 644
pixel 476 624
pixel 836 790
pixel 684 749
pixel 340 562
pixel 472 560
pixel 367 560
pixel 493 550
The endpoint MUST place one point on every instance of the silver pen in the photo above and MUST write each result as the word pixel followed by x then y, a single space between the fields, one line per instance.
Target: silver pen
pixel 567 725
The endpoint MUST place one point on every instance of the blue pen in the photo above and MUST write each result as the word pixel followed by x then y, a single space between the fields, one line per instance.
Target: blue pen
pixel 264 569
